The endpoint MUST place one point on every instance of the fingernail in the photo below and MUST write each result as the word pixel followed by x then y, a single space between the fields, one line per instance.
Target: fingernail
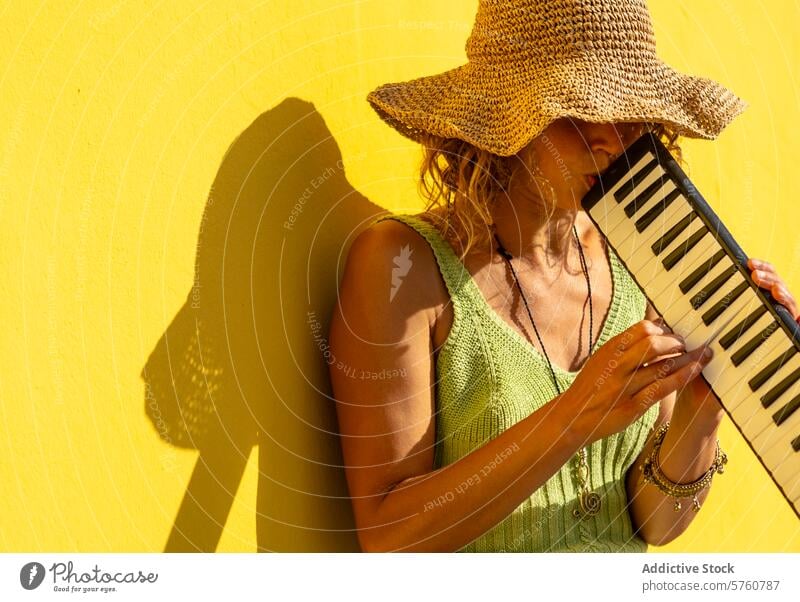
pixel 708 353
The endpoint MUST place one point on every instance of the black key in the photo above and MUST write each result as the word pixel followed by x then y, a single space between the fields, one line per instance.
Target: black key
pixel 672 233
pixel 645 196
pixel 682 249
pixel 769 398
pixel 733 335
pixel 712 287
pixel 713 313
pixel 692 279
pixel 763 376
pixel 783 414
pixel 796 443
pixel 644 222
pixel 753 344
pixel 626 189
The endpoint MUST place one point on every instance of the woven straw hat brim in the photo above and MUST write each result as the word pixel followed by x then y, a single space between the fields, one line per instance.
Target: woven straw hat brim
pixel 501 109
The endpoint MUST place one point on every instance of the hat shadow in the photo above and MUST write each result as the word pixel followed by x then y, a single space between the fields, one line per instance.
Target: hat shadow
pixel 241 364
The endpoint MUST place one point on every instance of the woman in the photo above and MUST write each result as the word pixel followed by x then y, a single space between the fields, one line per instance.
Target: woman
pixel 501 381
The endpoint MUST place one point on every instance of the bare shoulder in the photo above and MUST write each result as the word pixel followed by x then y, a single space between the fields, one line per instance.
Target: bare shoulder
pixel 387 234
pixel 390 260
pixel 390 300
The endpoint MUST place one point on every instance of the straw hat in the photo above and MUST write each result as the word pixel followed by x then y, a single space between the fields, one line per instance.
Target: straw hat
pixel 532 61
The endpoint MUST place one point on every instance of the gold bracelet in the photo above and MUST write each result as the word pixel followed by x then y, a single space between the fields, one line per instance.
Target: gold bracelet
pixel 653 474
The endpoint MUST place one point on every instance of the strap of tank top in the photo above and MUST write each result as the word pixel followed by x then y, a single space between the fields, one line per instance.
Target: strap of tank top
pixel 456 276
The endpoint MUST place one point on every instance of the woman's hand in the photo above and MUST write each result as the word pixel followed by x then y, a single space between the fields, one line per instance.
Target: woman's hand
pixel 626 376
pixel 765 276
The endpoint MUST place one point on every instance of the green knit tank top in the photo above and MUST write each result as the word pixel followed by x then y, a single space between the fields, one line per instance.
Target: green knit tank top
pixel 489 377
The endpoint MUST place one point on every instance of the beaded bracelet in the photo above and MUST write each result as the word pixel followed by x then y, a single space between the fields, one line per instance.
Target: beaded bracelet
pixel 653 474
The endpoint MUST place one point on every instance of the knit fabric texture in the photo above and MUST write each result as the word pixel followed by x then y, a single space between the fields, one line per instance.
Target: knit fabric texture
pixel 533 61
pixel 489 377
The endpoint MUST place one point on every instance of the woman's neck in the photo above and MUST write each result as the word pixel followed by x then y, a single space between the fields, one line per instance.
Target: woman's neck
pixel 529 234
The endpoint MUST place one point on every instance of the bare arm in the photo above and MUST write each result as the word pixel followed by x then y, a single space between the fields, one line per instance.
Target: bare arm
pixel 686 453
pixel 387 425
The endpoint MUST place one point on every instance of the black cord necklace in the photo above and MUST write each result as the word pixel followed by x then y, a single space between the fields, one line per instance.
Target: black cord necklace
pixel 589 501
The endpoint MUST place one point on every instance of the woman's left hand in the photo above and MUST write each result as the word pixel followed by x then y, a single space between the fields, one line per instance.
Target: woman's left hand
pixel 697 398
pixel 765 276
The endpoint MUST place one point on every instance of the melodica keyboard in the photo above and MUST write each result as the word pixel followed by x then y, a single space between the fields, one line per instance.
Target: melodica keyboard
pixel 696 276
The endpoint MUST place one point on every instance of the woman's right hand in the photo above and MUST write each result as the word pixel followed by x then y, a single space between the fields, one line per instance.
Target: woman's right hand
pixel 626 376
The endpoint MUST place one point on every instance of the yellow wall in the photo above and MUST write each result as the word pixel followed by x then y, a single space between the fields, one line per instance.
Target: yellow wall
pixel 162 384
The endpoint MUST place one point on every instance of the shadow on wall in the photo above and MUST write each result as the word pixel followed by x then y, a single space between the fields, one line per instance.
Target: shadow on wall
pixel 242 362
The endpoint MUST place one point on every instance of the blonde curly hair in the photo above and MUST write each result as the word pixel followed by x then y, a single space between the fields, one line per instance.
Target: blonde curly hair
pixel 462 182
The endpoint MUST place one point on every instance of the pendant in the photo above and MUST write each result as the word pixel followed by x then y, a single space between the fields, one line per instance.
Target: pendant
pixel 589 502
pixel 695 504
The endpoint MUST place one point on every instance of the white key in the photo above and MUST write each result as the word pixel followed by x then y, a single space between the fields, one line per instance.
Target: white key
pixel 783 462
pixel 789 366
pixel 741 394
pixel 724 377
pixel 632 245
pixel 738 310
pixel 788 475
pixel 679 241
pixel 638 166
pixel 762 323
pixel 762 428
pixel 606 209
pixel 753 419
pixel 657 227
pixel 754 363
pixel 667 186
pixel 703 249
pixel 618 221
pixel 724 265
pixel 657 173
pixel 672 214
pixel 667 281
pixel 600 214
pixel 667 189
pixel 638 251
pixel 725 293
pixel 786 387
pixel 720 372
pixel 689 322
pixel 691 318
pixel 720 294
pixel 663 284
pixel 776 435
pixel 744 405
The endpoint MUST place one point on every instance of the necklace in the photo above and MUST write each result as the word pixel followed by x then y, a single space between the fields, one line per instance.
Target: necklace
pixel 588 501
